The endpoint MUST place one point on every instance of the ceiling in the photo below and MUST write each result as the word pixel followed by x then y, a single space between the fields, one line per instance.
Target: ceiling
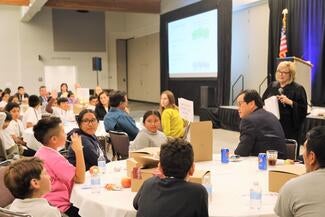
pixel 137 6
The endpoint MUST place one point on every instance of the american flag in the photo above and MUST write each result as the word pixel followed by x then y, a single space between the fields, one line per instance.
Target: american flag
pixel 283 44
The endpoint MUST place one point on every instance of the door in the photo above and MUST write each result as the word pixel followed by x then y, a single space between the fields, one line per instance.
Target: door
pixel 121 59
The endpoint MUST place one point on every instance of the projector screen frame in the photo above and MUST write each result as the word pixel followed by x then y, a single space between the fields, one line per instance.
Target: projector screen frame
pixel 187 50
pixel 190 87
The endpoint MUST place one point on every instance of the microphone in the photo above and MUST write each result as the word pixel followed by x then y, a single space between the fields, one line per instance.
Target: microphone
pixel 280 90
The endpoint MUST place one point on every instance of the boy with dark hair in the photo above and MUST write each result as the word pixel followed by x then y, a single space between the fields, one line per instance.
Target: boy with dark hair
pixel 50 132
pixel 33 113
pixel 22 96
pixel 27 180
pixel 173 195
pixel 305 195
pixel 92 102
pixel 8 144
pixel 16 129
pixel 62 110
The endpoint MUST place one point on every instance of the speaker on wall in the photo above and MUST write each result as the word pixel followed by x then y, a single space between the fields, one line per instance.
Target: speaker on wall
pixel 97 64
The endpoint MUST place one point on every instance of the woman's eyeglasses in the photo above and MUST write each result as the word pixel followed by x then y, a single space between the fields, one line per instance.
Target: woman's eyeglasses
pixel 88 121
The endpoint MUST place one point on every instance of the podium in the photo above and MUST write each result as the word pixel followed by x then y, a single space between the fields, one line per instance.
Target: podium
pixel 303 73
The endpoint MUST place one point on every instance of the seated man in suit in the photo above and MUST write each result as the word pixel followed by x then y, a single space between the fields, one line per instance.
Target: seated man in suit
pixel 260 130
pixel 117 118
pixel 22 96
pixel 305 195
pixel 172 194
pixel 43 95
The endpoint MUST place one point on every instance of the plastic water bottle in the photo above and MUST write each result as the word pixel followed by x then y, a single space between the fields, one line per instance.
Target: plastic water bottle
pixel 95 183
pixel 101 162
pixel 208 186
pixel 255 196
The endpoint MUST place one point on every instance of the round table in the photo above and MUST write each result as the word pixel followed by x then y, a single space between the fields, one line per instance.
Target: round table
pixel 231 183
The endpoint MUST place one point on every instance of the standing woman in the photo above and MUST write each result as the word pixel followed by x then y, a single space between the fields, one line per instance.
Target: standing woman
pixel 64 92
pixel 102 106
pixel 292 99
pixel 171 121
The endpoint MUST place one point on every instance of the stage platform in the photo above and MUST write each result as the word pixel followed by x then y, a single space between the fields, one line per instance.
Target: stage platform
pixel 226 117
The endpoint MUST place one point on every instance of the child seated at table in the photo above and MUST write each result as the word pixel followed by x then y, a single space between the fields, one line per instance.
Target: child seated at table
pixel 16 129
pixel 9 148
pixel 27 180
pixel 173 195
pixel 50 132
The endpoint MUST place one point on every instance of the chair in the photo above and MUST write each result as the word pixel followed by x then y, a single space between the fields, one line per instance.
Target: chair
pixel 8 213
pixel 104 145
pixel 3 153
pixel 9 153
pixel 292 147
pixel 120 144
pixel 186 130
pixel 6 197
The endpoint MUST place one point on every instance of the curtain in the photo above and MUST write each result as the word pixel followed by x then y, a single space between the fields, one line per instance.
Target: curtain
pixel 305 39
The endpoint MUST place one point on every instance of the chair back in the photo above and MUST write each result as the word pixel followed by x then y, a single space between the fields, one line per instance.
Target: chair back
pixel 120 144
pixel 3 153
pixel 186 130
pixel 8 213
pixel 6 197
pixel 292 147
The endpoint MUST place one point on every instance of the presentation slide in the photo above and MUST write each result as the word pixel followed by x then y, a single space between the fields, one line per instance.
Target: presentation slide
pixel 192 46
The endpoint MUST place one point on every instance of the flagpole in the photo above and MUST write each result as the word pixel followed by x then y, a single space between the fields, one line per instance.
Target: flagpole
pixel 283 49
pixel 284 19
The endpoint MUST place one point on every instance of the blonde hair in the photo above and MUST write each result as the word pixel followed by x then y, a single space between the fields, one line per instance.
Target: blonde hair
pixel 286 65
pixel 171 99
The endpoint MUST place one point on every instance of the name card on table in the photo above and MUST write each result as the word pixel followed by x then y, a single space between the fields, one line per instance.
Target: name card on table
pixel 82 95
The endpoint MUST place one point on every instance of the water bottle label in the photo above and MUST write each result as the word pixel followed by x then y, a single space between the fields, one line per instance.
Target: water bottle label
pixel 95 180
pixel 102 166
pixel 255 195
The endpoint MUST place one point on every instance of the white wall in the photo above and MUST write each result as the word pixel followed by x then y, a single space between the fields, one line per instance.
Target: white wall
pixel 134 26
pixel 21 43
pixel 9 47
pixel 250 45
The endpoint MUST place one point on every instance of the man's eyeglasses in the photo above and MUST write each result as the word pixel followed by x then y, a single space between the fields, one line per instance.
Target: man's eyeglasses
pixel 239 103
pixel 88 121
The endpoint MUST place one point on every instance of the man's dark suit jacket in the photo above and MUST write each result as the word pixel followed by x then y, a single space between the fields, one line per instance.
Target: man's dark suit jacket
pixel 261 131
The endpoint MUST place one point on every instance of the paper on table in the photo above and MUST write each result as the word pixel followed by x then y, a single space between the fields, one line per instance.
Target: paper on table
pixel 272 105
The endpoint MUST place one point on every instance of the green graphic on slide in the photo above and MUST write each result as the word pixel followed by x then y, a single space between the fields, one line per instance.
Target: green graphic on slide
pixel 200 33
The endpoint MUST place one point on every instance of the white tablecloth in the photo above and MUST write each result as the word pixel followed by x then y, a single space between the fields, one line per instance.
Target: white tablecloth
pixel 231 183
pixel 32 143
